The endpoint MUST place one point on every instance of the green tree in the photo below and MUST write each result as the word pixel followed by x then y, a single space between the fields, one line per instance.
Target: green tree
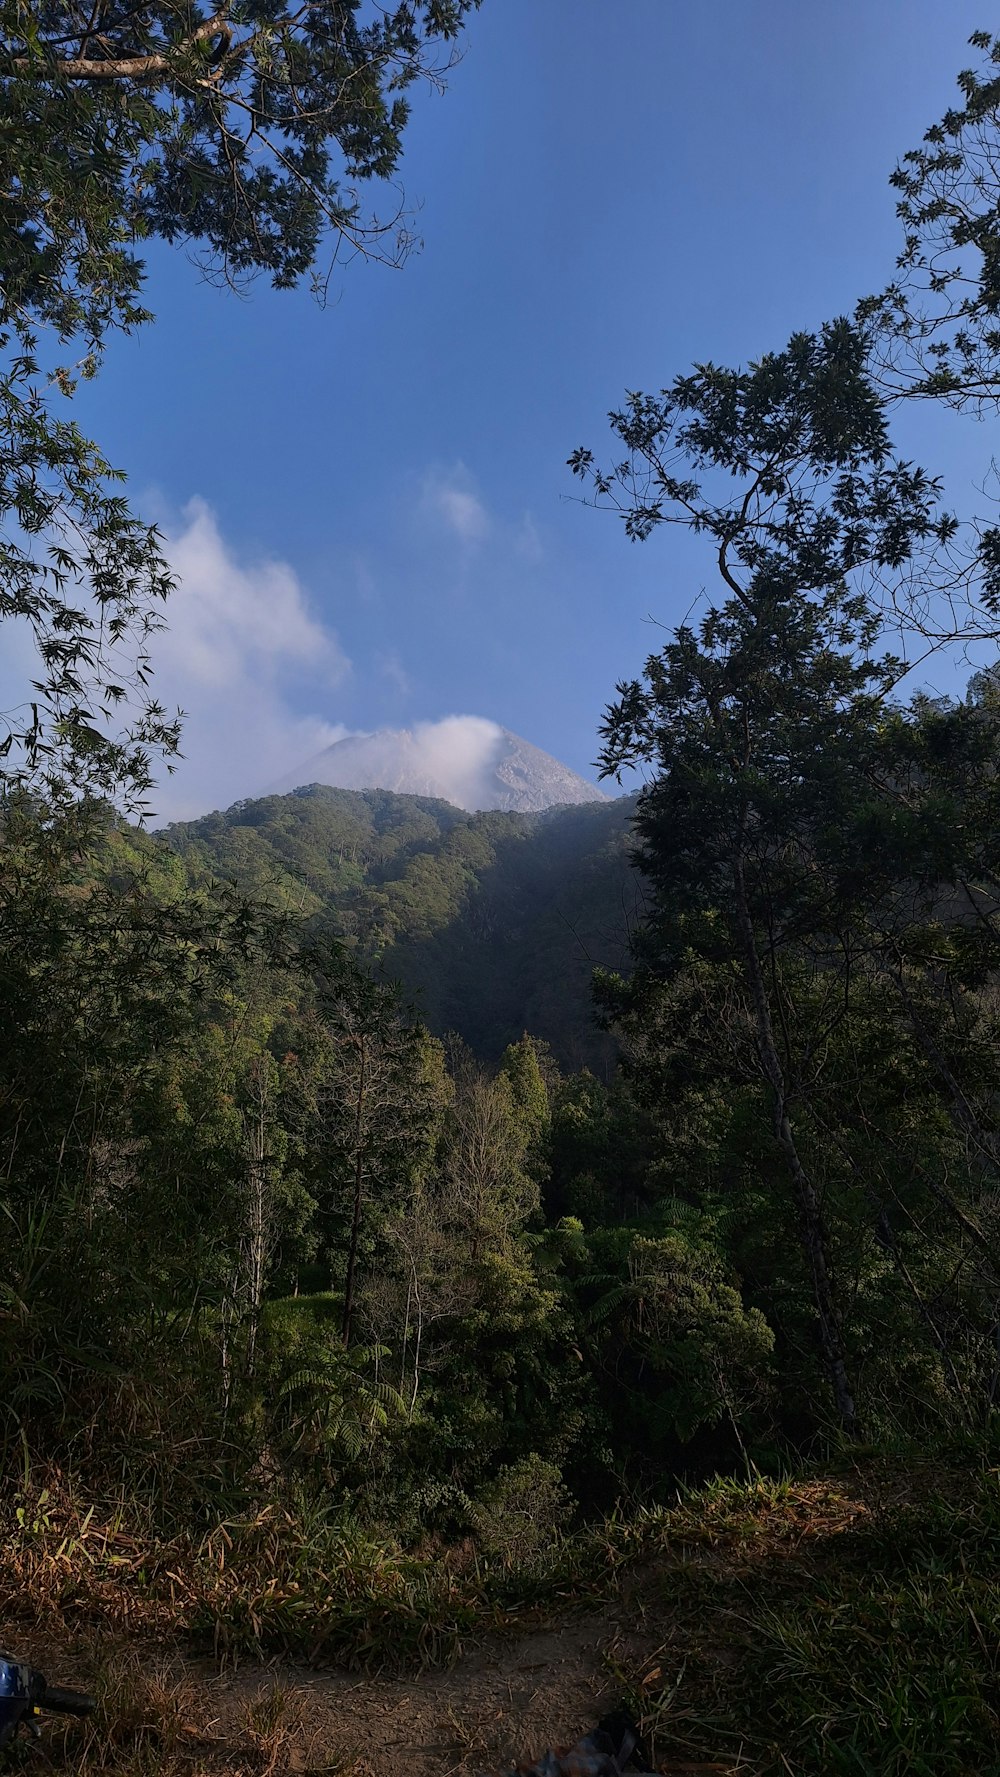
pixel 88 579
pixel 758 724
pixel 245 128
pixel 934 332
pixel 935 329
pixel 220 1122
pixel 375 1097
pixel 488 1163
pixel 600 1151
pixel 520 1065
pixel 124 1194
pixel 676 1339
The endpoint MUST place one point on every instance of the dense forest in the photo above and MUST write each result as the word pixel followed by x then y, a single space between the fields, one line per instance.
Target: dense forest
pixel 418 1203
pixel 492 924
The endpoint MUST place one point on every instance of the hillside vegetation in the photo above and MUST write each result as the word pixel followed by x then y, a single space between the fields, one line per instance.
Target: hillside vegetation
pixel 493 923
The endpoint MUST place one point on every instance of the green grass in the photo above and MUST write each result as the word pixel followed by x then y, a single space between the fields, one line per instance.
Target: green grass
pixel 839 1629
pixel 845 1624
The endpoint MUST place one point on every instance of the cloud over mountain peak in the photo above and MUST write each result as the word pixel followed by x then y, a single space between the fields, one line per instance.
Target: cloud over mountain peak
pixel 466 760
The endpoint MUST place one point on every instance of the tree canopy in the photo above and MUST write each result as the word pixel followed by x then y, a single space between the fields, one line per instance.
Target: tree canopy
pixel 805 830
pixel 936 325
pixel 342 1326
pixel 244 128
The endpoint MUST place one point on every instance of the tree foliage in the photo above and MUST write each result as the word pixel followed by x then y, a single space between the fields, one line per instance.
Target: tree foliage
pixel 257 1214
pixel 935 326
pixel 246 128
pixel 814 989
pixel 441 901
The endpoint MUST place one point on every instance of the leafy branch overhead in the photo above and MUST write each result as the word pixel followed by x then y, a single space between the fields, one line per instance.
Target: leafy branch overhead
pixel 787 470
pixel 89 579
pixel 936 327
pixel 245 129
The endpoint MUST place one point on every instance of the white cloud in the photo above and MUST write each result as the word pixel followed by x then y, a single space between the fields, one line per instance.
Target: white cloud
pixel 460 754
pixel 455 758
pixel 240 640
pixel 452 501
pixel 450 496
pixel 226 617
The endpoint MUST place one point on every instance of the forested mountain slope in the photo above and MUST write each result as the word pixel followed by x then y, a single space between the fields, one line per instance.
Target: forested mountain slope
pixel 493 922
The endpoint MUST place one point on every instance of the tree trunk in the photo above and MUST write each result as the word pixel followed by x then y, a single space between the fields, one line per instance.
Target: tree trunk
pixel 812 1228
pixel 257 1229
pixel 962 1114
pixel 226 1319
pixel 359 1175
pixel 406 1328
pixel 416 1346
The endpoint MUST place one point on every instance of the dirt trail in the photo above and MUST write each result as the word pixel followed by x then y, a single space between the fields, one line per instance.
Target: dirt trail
pixel 505 1700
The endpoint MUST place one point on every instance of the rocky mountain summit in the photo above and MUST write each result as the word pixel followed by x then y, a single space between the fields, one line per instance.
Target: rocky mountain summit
pixel 464 760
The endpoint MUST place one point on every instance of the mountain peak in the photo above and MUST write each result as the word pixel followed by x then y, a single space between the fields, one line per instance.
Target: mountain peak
pixel 465 760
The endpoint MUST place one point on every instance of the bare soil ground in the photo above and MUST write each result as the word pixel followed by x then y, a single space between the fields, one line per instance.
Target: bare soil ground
pixel 507 1699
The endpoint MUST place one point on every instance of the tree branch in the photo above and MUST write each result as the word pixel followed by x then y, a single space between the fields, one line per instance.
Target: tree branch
pixel 148 67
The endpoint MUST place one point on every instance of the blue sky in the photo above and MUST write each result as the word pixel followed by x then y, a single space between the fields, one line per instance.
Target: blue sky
pixel 370 504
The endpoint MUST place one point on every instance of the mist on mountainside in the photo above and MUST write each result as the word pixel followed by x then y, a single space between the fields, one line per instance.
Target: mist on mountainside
pixel 466 760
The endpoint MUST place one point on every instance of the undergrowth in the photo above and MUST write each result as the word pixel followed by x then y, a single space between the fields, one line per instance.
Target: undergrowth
pixel 848 1626
pixel 843 1624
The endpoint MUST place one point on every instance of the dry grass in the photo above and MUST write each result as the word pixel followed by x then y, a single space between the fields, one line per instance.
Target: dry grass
pixel 155 1718
pixel 263 1584
pixel 848 1624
